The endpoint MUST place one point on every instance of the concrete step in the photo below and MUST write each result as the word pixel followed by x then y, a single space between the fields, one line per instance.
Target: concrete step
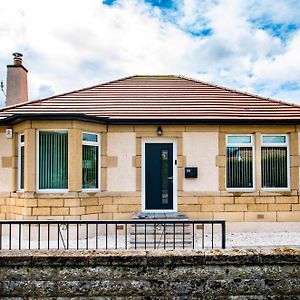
pixel 161 242
pixel 160 226
pixel 161 236
pixel 160 247
pixel 160 232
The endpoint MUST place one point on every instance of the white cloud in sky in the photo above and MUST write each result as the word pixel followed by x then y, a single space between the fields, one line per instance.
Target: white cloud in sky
pixel 73 44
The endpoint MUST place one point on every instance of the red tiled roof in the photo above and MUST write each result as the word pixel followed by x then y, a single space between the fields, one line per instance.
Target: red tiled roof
pixel 158 98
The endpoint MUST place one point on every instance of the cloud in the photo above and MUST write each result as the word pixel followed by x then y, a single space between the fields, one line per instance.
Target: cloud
pixel 69 45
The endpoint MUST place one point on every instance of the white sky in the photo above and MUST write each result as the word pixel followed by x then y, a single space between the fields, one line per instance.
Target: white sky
pixel 250 45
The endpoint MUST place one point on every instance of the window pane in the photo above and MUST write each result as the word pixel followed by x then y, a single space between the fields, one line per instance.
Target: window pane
pixel 164 176
pixel 239 167
pixel 274 167
pixel 89 167
pixel 88 137
pixel 53 160
pixel 21 167
pixel 22 138
pixel 235 139
pixel 274 139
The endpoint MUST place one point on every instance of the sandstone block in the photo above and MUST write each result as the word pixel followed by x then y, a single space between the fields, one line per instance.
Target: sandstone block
pixel 72 202
pixel 60 211
pixel 77 210
pixel 128 208
pixel 89 201
pixel 279 207
pixel 287 199
pixel 244 200
pixel 41 211
pixel 110 208
pixel 262 200
pixel 50 202
pixel 229 216
pixel 94 209
pixel 258 207
pixel 235 207
pixel 260 216
pixel 212 207
pixel 291 216
pixel 188 208
pixel 223 200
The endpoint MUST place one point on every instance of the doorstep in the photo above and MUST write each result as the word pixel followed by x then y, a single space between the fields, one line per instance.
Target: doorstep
pixel 167 215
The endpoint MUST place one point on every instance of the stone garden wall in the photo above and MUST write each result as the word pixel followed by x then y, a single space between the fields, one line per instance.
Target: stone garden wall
pixel 230 274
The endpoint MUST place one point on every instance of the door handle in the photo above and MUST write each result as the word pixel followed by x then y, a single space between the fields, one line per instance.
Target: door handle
pixel 170 177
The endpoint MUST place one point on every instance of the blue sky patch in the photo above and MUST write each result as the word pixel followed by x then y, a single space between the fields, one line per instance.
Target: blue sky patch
pixel 203 32
pixel 109 2
pixel 290 86
pixel 163 4
pixel 280 30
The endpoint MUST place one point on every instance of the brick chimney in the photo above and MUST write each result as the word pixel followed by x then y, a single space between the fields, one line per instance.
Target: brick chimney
pixel 16 85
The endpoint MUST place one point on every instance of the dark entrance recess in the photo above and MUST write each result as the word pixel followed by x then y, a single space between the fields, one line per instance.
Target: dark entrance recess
pixel 159 176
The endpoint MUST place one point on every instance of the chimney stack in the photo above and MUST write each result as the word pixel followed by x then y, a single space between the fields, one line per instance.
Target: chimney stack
pixel 16 86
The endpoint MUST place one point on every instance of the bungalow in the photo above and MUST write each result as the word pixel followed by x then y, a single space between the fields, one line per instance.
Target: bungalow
pixel 144 145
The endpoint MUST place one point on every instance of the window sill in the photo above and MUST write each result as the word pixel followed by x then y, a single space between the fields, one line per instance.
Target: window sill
pixel 91 191
pixel 275 190
pixel 54 191
pixel 240 190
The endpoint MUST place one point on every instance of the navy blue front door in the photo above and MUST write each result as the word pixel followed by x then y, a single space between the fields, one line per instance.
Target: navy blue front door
pixel 159 176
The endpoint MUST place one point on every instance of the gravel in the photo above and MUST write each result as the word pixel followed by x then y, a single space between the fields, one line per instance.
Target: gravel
pixel 262 239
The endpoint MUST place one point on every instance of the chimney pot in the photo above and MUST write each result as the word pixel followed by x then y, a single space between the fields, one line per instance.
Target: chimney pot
pixel 17 58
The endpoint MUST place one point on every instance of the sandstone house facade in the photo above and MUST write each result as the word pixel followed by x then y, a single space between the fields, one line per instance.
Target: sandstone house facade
pixel 148 144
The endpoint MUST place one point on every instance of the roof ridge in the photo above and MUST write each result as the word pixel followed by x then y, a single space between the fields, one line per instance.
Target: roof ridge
pixel 239 91
pixel 63 94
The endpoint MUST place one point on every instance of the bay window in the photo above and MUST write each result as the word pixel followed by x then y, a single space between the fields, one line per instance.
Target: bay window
pixel 274 162
pixel 52 160
pixel 239 162
pixel 90 161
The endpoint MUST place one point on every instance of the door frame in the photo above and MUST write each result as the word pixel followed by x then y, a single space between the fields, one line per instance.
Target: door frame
pixel 175 162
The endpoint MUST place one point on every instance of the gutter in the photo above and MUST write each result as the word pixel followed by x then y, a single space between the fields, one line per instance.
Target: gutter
pixel 17 118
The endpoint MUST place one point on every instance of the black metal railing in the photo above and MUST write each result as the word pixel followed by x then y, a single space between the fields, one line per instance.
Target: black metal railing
pixel 133 234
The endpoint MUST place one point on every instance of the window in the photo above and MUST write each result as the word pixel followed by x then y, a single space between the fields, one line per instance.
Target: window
pixel 274 161
pixel 90 161
pixel 21 162
pixel 239 162
pixel 52 160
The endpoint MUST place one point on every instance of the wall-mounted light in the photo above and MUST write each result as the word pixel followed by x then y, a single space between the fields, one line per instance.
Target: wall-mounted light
pixel 159 131
pixel 9 133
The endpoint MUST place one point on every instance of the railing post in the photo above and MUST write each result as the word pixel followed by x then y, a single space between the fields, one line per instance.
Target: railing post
pixel 223 235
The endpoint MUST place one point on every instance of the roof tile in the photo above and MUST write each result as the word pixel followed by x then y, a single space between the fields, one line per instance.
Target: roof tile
pixel 159 97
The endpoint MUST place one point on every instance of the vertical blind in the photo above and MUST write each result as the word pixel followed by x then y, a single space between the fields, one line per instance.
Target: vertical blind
pixel 274 167
pixel 90 167
pixel 239 167
pixel 53 160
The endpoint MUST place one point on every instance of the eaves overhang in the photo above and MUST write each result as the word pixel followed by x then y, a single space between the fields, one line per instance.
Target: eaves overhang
pixel 203 122
pixel 17 118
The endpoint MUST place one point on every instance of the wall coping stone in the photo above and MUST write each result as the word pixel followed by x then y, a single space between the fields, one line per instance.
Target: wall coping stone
pixel 278 256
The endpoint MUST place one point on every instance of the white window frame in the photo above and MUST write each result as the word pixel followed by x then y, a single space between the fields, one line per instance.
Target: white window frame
pixel 252 189
pixel 37 163
pixel 287 145
pixel 98 144
pixel 20 145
